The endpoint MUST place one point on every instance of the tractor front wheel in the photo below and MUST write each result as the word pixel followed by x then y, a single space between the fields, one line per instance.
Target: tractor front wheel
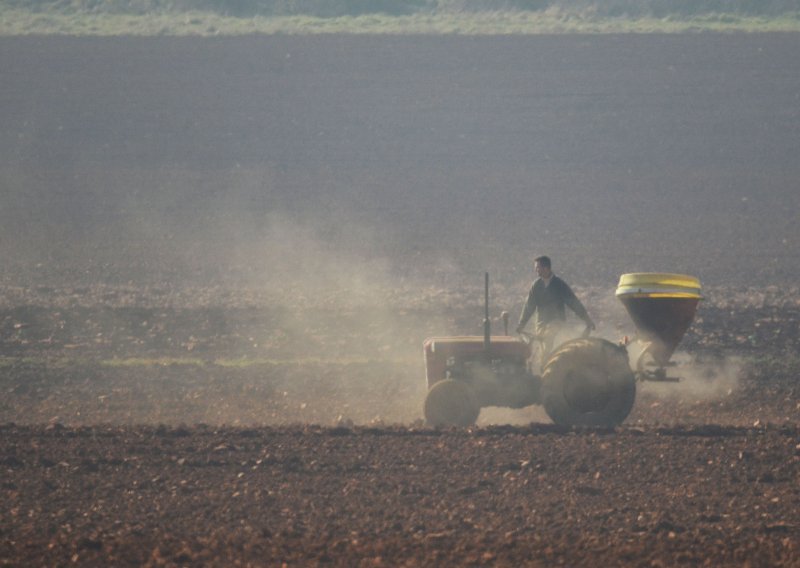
pixel 588 382
pixel 451 403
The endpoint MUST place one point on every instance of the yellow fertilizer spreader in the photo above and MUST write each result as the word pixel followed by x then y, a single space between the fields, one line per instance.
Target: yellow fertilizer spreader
pixel 662 307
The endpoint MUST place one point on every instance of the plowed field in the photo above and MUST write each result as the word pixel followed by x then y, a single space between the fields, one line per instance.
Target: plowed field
pixel 256 460
pixel 221 257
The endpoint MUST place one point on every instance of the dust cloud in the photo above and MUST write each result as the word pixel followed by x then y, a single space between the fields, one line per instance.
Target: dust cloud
pixel 702 379
pixel 322 294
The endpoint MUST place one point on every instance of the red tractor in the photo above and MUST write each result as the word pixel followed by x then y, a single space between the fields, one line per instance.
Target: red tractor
pixel 586 381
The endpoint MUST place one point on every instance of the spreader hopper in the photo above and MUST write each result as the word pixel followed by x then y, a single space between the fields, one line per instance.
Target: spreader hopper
pixel 662 307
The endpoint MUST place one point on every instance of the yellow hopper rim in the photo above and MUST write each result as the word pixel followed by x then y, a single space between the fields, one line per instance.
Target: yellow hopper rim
pixel 659 285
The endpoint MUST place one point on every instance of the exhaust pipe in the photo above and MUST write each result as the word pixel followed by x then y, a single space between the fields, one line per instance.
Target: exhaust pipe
pixel 487 326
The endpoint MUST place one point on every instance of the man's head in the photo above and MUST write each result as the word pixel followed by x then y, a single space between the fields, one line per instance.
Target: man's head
pixel 542 266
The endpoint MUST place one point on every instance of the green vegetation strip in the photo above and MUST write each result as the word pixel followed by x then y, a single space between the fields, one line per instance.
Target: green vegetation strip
pixel 151 362
pixel 237 363
pixel 18 22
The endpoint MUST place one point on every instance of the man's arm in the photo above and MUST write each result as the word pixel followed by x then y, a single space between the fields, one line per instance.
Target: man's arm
pixel 572 301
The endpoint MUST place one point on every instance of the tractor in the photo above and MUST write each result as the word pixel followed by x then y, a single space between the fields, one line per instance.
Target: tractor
pixel 587 381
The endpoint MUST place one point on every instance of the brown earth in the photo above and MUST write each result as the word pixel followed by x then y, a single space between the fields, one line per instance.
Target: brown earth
pixel 382 496
pixel 221 258
pixel 327 461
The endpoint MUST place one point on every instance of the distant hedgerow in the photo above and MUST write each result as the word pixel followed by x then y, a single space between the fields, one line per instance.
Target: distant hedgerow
pixel 337 8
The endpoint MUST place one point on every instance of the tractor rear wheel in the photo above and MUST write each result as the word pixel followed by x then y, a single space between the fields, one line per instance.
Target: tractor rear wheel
pixel 588 382
pixel 451 403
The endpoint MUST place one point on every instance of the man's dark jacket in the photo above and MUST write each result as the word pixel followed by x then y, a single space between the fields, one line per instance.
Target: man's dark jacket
pixel 548 302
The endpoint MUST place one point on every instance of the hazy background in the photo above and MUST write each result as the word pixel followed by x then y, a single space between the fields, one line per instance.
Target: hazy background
pixel 332 160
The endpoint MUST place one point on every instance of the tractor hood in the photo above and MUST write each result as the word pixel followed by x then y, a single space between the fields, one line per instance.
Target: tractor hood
pixel 500 346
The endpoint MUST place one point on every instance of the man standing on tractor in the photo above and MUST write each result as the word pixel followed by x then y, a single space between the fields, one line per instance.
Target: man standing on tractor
pixel 548 296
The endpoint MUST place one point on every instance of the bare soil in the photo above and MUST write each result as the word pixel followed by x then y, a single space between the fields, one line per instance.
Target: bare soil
pixel 181 457
pixel 221 258
pixel 383 496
